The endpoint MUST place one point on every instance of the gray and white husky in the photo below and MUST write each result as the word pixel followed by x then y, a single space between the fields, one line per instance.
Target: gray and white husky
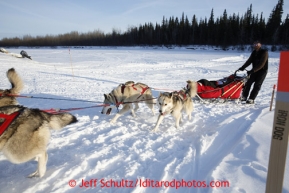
pixel 27 136
pixel 175 102
pixel 25 132
pixel 125 95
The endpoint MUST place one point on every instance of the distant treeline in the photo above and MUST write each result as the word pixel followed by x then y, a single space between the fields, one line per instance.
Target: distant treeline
pixel 224 31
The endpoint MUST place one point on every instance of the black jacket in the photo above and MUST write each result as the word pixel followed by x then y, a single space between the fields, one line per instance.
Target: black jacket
pixel 259 60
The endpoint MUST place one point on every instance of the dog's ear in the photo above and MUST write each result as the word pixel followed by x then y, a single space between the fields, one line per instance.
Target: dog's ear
pixel 105 96
pixel 189 81
pixel 170 95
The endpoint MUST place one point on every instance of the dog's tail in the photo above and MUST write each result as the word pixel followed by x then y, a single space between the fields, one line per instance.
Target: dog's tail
pixel 60 120
pixel 192 88
pixel 15 80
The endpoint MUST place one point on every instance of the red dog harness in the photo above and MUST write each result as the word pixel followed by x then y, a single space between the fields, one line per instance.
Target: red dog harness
pixel 180 94
pixel 133 86
pixel 8 119
pixel 144 89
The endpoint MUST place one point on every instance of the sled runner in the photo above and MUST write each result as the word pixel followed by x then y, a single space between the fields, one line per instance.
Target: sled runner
pixel 228 88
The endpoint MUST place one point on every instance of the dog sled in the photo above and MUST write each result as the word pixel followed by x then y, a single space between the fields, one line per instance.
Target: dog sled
pixel 228 88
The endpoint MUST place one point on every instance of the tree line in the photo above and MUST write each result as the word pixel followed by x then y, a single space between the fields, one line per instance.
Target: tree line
pixel 224 31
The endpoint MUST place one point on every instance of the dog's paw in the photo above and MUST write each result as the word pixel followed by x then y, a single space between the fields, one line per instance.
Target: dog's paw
pixel 34 174
pixel 133 115
pixel 154 130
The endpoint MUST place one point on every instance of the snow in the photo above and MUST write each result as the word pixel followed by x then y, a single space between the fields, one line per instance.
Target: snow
pixel 222 143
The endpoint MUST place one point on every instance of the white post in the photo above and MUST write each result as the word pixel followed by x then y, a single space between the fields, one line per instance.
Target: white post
pixel 280 132
pixel 71 63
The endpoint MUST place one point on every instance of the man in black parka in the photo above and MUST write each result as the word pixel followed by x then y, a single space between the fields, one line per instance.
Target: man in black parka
pixel 259 61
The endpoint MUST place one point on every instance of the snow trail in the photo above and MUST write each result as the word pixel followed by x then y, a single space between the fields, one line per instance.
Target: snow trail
pixel 223 142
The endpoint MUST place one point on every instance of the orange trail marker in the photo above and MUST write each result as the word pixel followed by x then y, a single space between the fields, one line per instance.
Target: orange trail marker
pixel 280 132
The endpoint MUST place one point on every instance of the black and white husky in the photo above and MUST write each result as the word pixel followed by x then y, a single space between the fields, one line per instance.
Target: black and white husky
pixel 175 102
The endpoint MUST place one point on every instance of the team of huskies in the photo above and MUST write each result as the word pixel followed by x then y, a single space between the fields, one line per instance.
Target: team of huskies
pixel 27 134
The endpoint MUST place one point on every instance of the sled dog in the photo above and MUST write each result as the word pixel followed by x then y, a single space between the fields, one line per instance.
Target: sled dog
pixel 175 102
pixel 126 94
pixel 28 134
pixel 6 96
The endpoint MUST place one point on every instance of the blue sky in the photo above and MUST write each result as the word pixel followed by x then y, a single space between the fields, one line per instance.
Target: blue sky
pixel 53 17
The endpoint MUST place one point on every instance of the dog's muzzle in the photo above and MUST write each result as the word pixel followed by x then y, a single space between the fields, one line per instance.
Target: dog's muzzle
pixel 107 110
pixel 165 112
pixel 162 113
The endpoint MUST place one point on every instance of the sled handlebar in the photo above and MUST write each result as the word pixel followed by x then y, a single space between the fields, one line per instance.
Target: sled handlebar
pixel 240 70
pixel 235 73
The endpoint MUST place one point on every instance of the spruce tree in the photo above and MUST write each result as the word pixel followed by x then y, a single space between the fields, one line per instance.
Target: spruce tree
pixel 211 30
pixel 273 24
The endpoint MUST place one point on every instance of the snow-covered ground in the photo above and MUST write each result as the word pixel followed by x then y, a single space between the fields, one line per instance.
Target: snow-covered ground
pixel 225 145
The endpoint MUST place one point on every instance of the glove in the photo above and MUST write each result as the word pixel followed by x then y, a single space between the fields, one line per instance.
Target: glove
pixel 250 72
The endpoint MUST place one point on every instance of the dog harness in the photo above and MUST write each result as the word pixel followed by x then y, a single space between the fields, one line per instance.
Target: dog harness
pixel 3 94
pixel 181 94
pixel 8 119
pixel 133 86
pixel 144 89
pixel 6 93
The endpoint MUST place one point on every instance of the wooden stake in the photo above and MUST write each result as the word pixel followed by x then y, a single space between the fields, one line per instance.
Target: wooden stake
pixel 274 87
pixel 71 64
pixel 280 132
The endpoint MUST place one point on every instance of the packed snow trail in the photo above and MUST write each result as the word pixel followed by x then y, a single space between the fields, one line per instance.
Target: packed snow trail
pixel 223 142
